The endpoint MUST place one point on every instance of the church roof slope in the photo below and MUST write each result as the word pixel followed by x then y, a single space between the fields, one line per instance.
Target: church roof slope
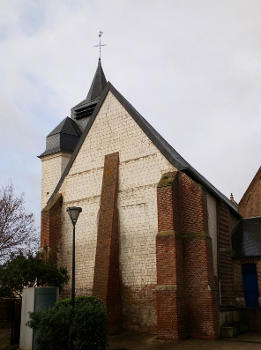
pixel 164 147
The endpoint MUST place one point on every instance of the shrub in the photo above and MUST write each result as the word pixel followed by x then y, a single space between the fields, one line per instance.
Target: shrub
pixel 57 328
pixel 24 270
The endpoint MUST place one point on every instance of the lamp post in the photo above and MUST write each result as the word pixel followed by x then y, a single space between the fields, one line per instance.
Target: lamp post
pixel 74 213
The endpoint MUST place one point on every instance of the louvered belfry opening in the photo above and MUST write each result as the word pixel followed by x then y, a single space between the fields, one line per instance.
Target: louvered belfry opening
pixel 84 111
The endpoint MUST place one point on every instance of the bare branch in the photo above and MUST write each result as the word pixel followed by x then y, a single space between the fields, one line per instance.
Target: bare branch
pixel 17 230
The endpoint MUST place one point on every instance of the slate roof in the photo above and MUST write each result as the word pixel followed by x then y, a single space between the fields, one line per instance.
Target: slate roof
pixel 86 107
pixel 63 138
pixel 246 238
pixel 98 84
pixel 67 126
pixel 165 148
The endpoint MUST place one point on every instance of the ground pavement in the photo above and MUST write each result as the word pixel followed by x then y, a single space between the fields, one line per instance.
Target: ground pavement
pixel 126 341
pixel 248 341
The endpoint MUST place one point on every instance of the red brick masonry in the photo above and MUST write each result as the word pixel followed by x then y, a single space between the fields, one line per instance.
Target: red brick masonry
pixel 186 291
pixel 51 227
pixel 225 255
pixel 250 204
pixel 106 284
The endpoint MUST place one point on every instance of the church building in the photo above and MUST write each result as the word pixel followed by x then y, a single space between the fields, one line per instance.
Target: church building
pixel 153 239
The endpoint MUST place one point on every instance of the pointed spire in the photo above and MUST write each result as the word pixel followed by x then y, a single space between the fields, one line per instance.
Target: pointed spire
pixel 86 107
pixel 98 84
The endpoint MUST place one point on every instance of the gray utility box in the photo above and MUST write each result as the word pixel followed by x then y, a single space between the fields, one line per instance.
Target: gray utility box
pixel 34 299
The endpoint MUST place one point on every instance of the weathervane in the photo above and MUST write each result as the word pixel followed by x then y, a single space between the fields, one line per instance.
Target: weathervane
pixel 100 44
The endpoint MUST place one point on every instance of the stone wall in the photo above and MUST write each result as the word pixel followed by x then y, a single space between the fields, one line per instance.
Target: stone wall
pixel 52 168
pixel 140 168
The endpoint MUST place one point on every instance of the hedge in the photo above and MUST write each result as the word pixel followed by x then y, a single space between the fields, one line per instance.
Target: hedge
pixel 59 328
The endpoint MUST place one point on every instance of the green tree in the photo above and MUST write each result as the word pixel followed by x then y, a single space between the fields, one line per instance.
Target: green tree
pixel 28 271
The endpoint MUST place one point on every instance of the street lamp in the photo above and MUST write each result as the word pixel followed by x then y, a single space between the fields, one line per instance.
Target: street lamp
pixel 74 213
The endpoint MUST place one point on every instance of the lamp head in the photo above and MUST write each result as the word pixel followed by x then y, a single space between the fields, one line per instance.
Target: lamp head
pixel 74 213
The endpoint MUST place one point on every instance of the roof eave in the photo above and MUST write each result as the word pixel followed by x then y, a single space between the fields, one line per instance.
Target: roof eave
pixel 49 153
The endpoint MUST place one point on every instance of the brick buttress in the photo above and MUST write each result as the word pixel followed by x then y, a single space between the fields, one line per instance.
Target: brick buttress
pixel 51 229
pixel 106 284
pixel 186 291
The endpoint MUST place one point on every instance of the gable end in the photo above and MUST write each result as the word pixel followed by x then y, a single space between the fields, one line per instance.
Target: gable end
pixel 162 145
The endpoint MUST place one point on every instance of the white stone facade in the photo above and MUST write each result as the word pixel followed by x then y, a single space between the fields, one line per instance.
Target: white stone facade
pixel 52 168
pixel 141 167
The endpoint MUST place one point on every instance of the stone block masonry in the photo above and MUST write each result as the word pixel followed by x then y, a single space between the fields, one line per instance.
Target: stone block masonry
pixel 53 166
pixel 156 269
pixel 140 167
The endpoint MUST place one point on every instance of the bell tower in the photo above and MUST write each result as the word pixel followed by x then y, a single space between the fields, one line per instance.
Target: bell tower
pixel 61 142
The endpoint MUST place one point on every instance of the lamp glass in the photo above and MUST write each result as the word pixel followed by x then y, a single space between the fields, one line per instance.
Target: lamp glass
pixel 74 213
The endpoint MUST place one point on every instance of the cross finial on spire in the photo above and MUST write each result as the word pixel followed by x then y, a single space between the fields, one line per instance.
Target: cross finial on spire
pixel 100 44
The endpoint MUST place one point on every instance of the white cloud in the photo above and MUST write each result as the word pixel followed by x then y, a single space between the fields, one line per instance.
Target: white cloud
pixel 190 67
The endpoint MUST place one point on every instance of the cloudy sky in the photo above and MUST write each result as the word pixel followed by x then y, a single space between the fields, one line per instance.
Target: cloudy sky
pixel 190 67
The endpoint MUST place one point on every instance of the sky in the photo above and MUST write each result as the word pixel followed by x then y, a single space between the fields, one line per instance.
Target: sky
pixel 190 67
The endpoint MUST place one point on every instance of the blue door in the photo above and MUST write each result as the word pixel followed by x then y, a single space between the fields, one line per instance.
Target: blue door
pixel 250 285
